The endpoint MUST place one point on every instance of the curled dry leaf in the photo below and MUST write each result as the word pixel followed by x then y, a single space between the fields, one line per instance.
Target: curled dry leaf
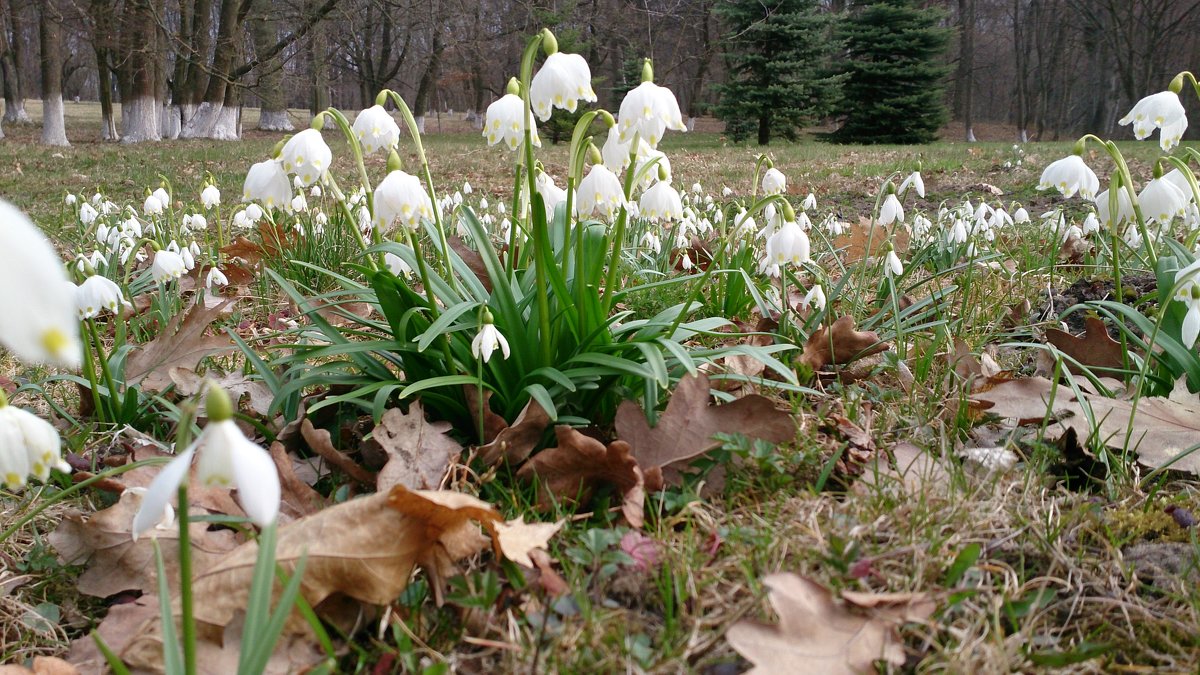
pixel 515 443
pixel 840 344
pixel 473 260
pixel 297 498
pixel 42 665
pixel 967 366
pixel 182 343
pixel 419 452
pixel 817 635
pixel 685 429
pixel 578 465
pixel 250 394
pixel 321 443
pixel 518 538
pixel 1094 349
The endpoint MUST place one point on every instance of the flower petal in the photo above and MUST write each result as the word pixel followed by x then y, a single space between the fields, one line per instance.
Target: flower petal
pixel 161 490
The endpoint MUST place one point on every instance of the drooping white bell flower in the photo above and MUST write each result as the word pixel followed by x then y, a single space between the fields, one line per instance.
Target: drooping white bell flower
pixel 401 199
pixel 87 214
pixel 809 203
pixel 1187 291
pixel 1176 178
pixel 661 202
pixel 215 277
pixel 600 194
pixel 97 293
pixel 167 265
pixel 299 203
pixel 29 446
pixel 267 182
pixel 210 196
pixel 38 320
pixel 1158 111
pixel 1070 175
pixel 894 267
pixel 561 82
pixel 789 245
pixel 307 155
pixel 397 266
pixel 488 340
pixel 227 459
pixel 1124 207
pixel 891 211
pixel 1161 201
pixel 815 297
pixel 70 199
pixel 1021 215
pixel 648 110
pixel 153 206
pixel 774 182
pixel 503 123
pixel 915 182
pixel 376 130
pixel 615 153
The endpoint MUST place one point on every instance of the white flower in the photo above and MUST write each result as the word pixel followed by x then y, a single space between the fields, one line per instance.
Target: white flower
pixel 1158 111
pixel 400 198
pixel 268 183
pixel 697 188
pixel 600 194
pixel 1021 215
pixel 661 202
pixel 87 214
pixel 210 196
pixel 814 297
pixel 914 181
pixel 809 203
pixel 38 320
pixel 307 155
pixel 97 293
pixel 894 266
pixel 227 459
pixel 648 110
pixel 1161 201
pixel 153 206
pixel 891 211
pixel 397 265
pixel 167 265
pixel 561 82
pixel 1070 175
pixel 299 203
pixel 376 130
pixel 552 195
pixel 1187 291
pixel 466 188
pixel 254 212
pixel 215 277
pixel 486 342
pixel 652 242
pixel 726 191
pixel 483 204
pixel 29 445
pixel 1124 207
pixel 774 182
pixel 70 199
pixel 615 153
pixel 789 245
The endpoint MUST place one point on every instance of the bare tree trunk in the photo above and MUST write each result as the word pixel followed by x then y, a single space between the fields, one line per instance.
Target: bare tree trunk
pixel 273 114
pixel 103 44
pixel 421 102
pixel 11 60
pixel 1020 61
pixel 209 120
pixel 966 67
pixel 139 102
pixel 318 49
pixel 192 73
pixel 54 129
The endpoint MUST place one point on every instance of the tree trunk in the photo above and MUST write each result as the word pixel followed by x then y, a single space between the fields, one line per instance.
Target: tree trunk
pixel 318 49
pixel 11 58
pixel 210 120
pixel 421 103
pixel 273 114
pixel 199 43
pixel 764 130
pixel 966 67
pixel 139 102
pixel 1020 61
pixel 54 129
pixel 104 30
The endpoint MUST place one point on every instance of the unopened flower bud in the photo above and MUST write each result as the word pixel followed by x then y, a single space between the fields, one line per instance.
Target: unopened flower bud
pixel 549 42
pixel 514 87
pixel 647 71
pixel 217 404
pixel 318 121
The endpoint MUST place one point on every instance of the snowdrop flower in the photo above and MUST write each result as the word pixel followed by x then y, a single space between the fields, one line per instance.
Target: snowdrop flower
pixel 561 82
pixel 648 110
pixel 307 155
pixel 227 459
pixel 1090 224
pixel 241 220
pixel 1133 236
pixel 600 194
pixel 153 206
pixel 774 182
pixel 809 203
pixel 685 262
pixel 254 213
pixel 744 225
pixel 466 188
pixel 1070 175
pixel 661 164
pixel 488 339
pixel 891 211
pixel 210 196
pixel 814 297
pixel 503 123
pixel 726 191
pixel 397 265
pixel 652 242
pixel 661 202
pixel 189 260
pixel 215 277
pixel 789 245
pixel 96 199
pixel 1176 178
pixel 195 221
pixel 894 267
pixel 1161 201
pixel 958 232
pixel 376 130
pixel 97 293
pixel 37 311
pixel 401 199
pixel 163 196
pixel 167 265
pixel 697 188
pixel 1158 111
pixel 29 446
pixel 87 214
pixel 915 182
pixel 268 183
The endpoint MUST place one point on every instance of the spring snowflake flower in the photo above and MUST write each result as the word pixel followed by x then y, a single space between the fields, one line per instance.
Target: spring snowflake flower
pixel 307 155
pixel 153 206
pixel 891 211
pixel 1124 207
pixel 167 265
pixel 1161 201
pixel 97 293
pixel 600 194
pixel 38 320
pixel 648 110
pixel 915 182
pixel 1158 111
pixel 227 459
pixel 299 203
pixel 70 199
pixel 396 265
pixel 1070 175
pixel 376 130
pixel 503 123
pixel 661 202
pixel 210 196
pixel 789 245
pixel 561 82
pixel 487 340
pixel 614 152
pixel 1021 215
pixel 774 182
pixel 400 198
pixel 29 446
pixel 268 183
pixel 1187 281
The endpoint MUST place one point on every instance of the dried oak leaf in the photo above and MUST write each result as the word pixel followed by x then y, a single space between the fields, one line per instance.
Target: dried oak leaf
pixel 115 562
pixel 182 343
pixel 910 470
pixel 42 665
pixel 686 427
pixel 493 424
pixel 967 366
pixel 518 538
pixel 515 443
pixel 579 464
pixel 840 344
pixel 818 635
pixel 419 452
pixel 252 395
pixel 321 443
pixel 473 260
pixel 297 498
pixel 1094 349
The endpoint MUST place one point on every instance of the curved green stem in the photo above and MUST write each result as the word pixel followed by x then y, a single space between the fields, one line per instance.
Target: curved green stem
pixel 537 226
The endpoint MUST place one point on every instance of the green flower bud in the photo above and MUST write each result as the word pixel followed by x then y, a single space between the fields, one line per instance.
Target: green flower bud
pixel 278 149
pixel 594 155
pixel 1176 85
pixel 549 42
pixel 514 87
pixel 381 97
pixel 647 71
pixel 318 121
pixel 217 403
pixel 1079 147
pixel 394 163
pixel 609 120
pixel 789 213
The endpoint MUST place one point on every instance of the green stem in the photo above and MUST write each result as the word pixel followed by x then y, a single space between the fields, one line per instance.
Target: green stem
pixel 89 371
pixel 538 229
pixel 187 618
pixel 113 394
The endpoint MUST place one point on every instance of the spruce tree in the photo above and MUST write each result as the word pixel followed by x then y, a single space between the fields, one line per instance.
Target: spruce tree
pixel 777 53
pixel 893 92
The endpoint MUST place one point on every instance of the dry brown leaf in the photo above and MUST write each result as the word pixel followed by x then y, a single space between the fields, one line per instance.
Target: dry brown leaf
pixel 548 578
pixel 419 452
pixel 515 443
pixel 870 240
pixel 297 498
pixel 493 424
pixel 182 343
pixel 578 465
pixel 42 665
pixel 1094 349
pixel 518 538
pixel 473 260
pixel 1023 399
pixel 116 563
pixel 321 443
pixel 840 344
pixel 118 628
pixel 815 634
pixel 251 395
pixel 686 427
pixel 915 472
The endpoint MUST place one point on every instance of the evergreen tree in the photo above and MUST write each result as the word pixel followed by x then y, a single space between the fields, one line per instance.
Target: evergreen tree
pixel 777 53
pixel 893 92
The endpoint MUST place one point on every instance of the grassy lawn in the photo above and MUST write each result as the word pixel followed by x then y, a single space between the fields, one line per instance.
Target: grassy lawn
pixel 1037 567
